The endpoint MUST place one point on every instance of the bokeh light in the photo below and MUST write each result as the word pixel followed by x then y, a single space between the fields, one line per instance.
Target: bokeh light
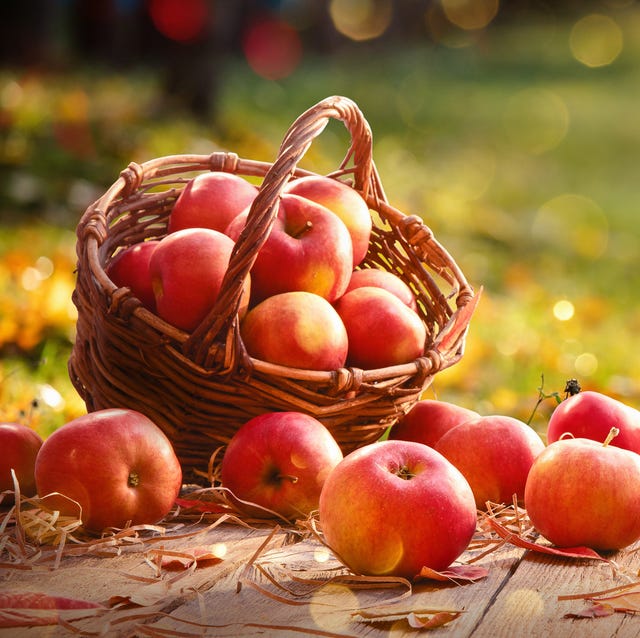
pixel 536 120
pixel 272 48
pixel 596 40
pixel 563 310
pixel 586 364
pixel 361 19
pixel 470 14
pixel 180 20
pixel 572 224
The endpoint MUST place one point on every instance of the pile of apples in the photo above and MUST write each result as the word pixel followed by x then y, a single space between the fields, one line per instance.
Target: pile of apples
pixel 388 508
pixel 305 303
pixel 411 501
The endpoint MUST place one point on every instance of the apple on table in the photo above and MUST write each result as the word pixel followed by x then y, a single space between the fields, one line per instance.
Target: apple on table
pixel 211 200
pixel 394 507
pixel 591 415
pixel 20 445
pixel 495 454
pixel 116 464
pixel 342 200
pixel 277 463
pixel 187 269
pixel 308 248
pixel 429 419
pixel 584 493
pixel 297 329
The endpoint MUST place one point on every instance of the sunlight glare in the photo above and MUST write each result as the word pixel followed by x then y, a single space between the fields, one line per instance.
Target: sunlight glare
pixel 586 364
pixel 470 14
pixel 361 19
pixel 563 310
pixel 596 40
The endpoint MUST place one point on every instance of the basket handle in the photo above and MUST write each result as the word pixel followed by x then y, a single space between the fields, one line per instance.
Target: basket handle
pixel 223 316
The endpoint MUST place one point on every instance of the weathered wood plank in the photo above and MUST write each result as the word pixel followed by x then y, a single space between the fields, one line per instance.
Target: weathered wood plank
pixel 528 605
pixel 519 597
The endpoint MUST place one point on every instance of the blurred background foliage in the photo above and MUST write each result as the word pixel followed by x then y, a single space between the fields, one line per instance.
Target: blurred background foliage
pixel 511 127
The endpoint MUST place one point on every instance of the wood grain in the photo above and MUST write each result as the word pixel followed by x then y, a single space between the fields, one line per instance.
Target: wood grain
pixel 272 590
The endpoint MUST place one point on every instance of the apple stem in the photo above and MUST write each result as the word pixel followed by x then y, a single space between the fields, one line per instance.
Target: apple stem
pixel 308 225
pixel 133 480
pixel 288 477
pixel 613 432
pixel 405 473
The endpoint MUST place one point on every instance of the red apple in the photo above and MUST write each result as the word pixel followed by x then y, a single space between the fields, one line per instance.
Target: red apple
pixel 116 463
pixel 211 200
pixel 428 420
pixel 382 330
pixel 591 415
pixel 19 445
pixel 309 248
pixel 187 269
pixel 279 461
pixel 383 279
pixel 296 329
pixel 495 454
pixel 394 507
pixel 581 493
pixel 342 200
pixel 130 268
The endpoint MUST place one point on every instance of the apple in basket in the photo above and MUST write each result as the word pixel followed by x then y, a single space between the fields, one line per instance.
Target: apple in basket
pixel 211 200
pixel 309 248
pixel 584 493
pixel 394 507
pixel 383 279
pixel 116 464
pixel 20 445
pixel 382 330
pixel 342 200
pixel 130 268
pixel 277 463
pixel 296 329
pixel 591 415
pixel 428 420
pixel 495 454
pixel 187 268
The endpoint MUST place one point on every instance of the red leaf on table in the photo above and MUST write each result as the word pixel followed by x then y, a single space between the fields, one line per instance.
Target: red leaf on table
pixel 454 573
pixel 28 609
pixel 207 507
pixel 593 611
pixel 417 621
pixel 566 552
pixel 415 618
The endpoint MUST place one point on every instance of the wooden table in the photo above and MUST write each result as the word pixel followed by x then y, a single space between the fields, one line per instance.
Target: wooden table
pixel 261 587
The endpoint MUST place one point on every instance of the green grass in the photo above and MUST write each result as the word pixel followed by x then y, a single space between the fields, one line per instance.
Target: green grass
pixel 520 158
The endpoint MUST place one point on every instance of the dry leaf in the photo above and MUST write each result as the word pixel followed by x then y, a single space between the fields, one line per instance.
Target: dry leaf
pixel 593 611
pixel 201 556
pixel 27 609
pixel 452 333
pixel 455 573
pixel 565 552
pixel 144 596
pixel 415 618
pixel 205 507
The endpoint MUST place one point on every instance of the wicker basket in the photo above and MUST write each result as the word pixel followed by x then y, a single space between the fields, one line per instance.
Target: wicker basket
pixel 200 387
